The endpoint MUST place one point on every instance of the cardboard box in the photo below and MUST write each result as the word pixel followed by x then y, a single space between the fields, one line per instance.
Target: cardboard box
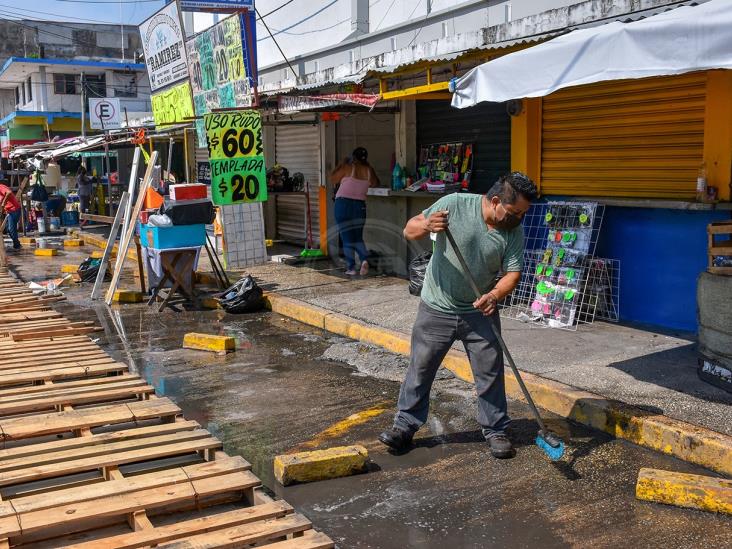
pixel 187 191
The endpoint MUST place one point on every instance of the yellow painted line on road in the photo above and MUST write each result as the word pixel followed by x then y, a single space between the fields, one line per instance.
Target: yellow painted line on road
pixel 685 490
pixel 661 433
pixel 342 427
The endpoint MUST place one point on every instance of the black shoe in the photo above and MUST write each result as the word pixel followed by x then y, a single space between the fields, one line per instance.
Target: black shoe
pixel 396 439
pixel 16 245
pixel 500 446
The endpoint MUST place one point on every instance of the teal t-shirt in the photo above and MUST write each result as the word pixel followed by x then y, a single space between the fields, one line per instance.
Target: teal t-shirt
pixel 486 251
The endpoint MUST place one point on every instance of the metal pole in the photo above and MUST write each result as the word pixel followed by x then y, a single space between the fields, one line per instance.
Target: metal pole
pixel 131 188
pixel 83 107
pixel 170 160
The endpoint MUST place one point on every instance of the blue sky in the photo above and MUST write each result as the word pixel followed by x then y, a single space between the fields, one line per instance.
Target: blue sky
pixel 104 11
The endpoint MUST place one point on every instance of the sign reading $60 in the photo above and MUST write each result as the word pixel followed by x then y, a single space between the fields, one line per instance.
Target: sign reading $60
pixel 236 156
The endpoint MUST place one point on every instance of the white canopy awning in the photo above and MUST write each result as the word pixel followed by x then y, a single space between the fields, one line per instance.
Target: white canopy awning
pixel 684 39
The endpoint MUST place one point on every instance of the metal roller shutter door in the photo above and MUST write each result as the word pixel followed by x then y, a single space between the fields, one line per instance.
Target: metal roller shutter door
pixel 297 148
pixel 486 125
pixel 631 138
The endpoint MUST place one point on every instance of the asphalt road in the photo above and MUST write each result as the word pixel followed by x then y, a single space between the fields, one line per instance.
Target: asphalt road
pixel 288 383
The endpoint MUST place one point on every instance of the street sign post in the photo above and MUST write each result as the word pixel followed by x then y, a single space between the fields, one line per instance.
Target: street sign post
pixel 104 113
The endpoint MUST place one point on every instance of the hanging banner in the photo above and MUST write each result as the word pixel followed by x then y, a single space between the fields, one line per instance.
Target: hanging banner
pixel 220 66
pixel 299 103
pixel 216 5
pixel 236 157
pixel 172 106
pixel 163 42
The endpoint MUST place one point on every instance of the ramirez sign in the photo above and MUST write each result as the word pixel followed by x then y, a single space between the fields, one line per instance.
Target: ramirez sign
pixel 163 43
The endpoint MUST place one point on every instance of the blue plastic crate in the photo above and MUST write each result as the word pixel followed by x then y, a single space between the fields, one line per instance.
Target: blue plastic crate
pixel 176 236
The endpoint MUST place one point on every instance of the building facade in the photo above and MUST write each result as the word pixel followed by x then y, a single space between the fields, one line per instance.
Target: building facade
pixel 47 66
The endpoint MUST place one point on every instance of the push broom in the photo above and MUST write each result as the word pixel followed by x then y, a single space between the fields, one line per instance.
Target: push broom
pixel 550 443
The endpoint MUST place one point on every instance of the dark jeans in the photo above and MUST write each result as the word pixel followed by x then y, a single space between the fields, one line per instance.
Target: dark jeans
pixel 84 201
pixel 12 225
pixel 433 334
pixel 351 217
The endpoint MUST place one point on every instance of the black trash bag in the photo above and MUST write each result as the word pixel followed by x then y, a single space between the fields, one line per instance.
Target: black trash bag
pixel 417 271
pixel 38 190
pixel 89 269
pixel 245 296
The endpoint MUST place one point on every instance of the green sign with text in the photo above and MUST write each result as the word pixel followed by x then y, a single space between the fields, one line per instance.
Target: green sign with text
pixel 236 156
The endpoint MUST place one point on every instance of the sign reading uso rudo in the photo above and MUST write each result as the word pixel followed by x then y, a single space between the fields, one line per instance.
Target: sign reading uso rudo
pixel 236 156
pixel 163 42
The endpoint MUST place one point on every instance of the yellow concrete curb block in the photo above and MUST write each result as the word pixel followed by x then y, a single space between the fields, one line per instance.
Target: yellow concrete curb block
pixel 27 240
pixel 686 441
pixel 73 242
pixel 341 461
pixel 127 296
pixel 209 342
pixel 45 252
pixel 685 490
pixel 99 242
pixel 96 255
pixel 69 268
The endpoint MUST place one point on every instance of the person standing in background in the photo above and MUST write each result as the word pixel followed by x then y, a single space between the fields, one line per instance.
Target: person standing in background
pixel 84 189
pixel 12 211
pixel 353 179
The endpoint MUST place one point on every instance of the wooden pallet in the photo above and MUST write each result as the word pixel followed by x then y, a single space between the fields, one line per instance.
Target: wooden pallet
pixel 92 458
pixel 719 247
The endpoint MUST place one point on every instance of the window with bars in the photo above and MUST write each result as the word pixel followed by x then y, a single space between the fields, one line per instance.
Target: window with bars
pixel 30 89
pixel 66 84
pixel 96 85
pixel 125 84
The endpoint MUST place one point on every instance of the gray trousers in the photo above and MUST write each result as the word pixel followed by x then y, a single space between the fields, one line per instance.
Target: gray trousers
pixel 433 334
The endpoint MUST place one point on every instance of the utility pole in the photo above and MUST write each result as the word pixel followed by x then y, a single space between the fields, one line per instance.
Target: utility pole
pixel 83 107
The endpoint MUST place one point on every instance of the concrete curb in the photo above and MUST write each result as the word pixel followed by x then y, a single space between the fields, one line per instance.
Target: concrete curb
pixel 684 490
pixel 341 461
pixel 677 438
pixel 101 242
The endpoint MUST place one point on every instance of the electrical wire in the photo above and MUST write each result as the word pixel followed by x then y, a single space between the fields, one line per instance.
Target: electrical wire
pixel 113 2
pixel 334 25
pixel 26 10
pixel 280 31
pixel 385 14
pixel 277 9
pixel 276 43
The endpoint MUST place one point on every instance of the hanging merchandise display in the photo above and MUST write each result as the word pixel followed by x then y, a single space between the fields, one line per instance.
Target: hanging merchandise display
pixel 563 284
pixel 220 67
pixel 236 156
pixel 444 167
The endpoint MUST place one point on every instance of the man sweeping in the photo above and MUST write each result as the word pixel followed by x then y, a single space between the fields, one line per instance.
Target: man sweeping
pixel 487 229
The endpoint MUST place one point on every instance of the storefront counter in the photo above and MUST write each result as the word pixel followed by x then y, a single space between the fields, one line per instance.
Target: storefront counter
pixel 386 216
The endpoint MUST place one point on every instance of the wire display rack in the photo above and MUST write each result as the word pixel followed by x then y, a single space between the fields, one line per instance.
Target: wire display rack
pixel 563 284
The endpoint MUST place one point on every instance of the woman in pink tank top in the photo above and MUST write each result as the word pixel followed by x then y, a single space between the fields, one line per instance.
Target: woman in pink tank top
pixel 353 179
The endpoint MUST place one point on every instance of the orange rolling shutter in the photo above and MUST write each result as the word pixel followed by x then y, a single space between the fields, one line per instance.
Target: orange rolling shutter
pixel 629 138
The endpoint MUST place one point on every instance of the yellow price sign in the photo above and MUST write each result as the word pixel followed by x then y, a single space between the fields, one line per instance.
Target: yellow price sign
pixel 236 156
pixel 174 105
pixel 236 134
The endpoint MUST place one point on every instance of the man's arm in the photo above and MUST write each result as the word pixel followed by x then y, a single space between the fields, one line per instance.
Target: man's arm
pixel 420 226
pixel 488 302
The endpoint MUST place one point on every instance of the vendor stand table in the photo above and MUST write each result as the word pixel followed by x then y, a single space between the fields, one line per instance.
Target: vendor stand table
pixel 170 271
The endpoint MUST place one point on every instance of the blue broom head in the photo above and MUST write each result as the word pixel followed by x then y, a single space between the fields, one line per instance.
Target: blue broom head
pixel 555 453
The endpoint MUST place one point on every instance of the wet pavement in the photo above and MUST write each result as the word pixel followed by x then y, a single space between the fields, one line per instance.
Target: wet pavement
pixel 287 383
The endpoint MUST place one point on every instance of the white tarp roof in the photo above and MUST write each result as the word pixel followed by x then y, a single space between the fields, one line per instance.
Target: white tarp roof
pixel 685 39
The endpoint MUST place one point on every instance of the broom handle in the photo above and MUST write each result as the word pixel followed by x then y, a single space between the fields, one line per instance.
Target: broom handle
pixel 496 332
